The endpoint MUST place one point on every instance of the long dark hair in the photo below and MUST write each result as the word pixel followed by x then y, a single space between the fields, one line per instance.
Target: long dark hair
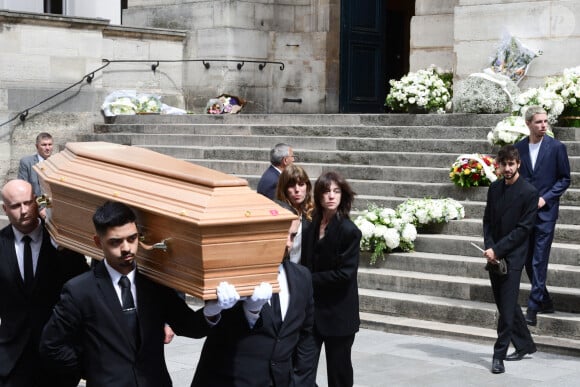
pixel 322 185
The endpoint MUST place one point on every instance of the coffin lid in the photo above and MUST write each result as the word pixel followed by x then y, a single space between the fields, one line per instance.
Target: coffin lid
pixel 159 183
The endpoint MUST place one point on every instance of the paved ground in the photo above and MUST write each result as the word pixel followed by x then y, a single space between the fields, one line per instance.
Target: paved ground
pixel 384 359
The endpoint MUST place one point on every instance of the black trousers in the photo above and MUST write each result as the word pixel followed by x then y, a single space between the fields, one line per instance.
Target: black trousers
pixel 511 326
pixel 338 358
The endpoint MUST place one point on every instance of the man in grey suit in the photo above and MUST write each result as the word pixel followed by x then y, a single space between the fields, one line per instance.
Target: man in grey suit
pixel 44 146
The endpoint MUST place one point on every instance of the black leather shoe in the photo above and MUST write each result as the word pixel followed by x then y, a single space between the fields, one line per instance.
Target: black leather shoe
pixel 519 355
pixel 531 318
pixel 497 366
pixel 547 307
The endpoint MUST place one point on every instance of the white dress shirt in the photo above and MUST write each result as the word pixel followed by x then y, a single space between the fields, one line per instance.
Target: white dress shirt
pixel 116 276
pixel 35 243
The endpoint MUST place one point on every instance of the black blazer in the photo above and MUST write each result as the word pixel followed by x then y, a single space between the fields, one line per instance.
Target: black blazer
pixel 268 182
pixel 87 333
pixel 235 355
pixel 333 261
pixel 23 315
pixel 551 177
pixel 508 220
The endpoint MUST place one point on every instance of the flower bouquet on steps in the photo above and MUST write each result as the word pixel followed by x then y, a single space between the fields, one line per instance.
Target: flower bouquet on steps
pixel 225 104
pixel 473 170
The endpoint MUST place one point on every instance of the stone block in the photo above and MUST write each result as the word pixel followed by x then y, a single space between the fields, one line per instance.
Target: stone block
pixel 10 38
pixel 284 17
pixel 66 69
pixel 525 20
pixel 421 59
pixel 42 40
pixel 432 31
pixel 232 42
pixel 264 16
pixel 27 68
pixel 430 7
pixel 234 14
pixel 296 46
pixel 304 20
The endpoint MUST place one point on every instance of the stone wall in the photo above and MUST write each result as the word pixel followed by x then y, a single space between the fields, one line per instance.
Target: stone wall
pixel 44 54
pixel 463 35
pixel 295 32
pixel 432 35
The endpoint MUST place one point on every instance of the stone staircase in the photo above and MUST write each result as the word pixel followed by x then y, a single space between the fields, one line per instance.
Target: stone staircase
pixel 440 289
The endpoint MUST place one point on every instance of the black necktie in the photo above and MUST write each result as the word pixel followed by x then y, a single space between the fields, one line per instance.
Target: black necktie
pixel 28 271
pixel 276 310
pixel 129 310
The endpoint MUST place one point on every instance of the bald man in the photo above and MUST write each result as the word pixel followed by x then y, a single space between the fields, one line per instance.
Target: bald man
pixel 32 273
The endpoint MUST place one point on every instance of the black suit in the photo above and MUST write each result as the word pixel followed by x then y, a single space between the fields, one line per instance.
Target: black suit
pixel 508 221
pixel 333 261
pixel 23 315
pixel 268 182
pixel 87 332
pixel 236 355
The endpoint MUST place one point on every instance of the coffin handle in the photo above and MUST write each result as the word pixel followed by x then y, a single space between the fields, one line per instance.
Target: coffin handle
pixel 155 246
pixel 43 201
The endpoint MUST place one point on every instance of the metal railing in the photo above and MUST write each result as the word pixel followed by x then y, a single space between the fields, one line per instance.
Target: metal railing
pixel 154 66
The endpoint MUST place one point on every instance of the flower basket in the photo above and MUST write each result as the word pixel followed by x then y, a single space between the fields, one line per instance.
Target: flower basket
pixel 570 117
pixel 424 91
pixel 473 170
pixel 225 104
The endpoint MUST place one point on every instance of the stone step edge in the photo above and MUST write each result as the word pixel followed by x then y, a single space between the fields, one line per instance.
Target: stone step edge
pixel 457 280
pixel 478 239
pixel 404 325
pixel 433 257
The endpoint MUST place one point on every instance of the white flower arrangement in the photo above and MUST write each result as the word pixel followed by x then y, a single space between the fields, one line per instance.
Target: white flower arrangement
pixel 426 211
pixel 508 131
pixel 384 229
pixel 130 102
pixel 428 89
pixel 548 99
pixel 567 86
pixel 485 92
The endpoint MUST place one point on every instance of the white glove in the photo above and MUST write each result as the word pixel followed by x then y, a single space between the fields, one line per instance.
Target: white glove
pixel 262 294
pixel 227 296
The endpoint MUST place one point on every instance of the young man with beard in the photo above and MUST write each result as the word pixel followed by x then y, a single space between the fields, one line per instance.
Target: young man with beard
pixel 508 221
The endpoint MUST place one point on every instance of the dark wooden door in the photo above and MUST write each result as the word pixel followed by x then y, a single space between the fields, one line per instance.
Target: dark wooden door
pixel 362 42
pixel 374 47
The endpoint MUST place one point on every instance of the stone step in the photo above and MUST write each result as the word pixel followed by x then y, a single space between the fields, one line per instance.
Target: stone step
pixel 459 311
pixel 319 119
pixel 410 326
pixel 564 233
pixel 473 210
pixel 432 145
pixel 561 253
pixel 471 132
pixel 475 132
pixel 462 288
pixel 405 189
pixel 464 266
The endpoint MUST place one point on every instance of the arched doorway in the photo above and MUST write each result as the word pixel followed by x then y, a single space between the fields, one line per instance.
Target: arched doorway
pixel 374 47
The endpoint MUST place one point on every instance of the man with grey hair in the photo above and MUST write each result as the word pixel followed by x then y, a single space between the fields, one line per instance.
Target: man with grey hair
pixel 44 146
pixel 545 164
pixel 281 156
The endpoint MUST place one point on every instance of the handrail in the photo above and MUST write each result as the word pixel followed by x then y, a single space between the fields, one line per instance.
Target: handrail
pixel 156 63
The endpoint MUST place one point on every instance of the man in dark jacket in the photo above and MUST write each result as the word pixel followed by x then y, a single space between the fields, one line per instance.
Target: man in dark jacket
pixel 510 215
pixel 32 273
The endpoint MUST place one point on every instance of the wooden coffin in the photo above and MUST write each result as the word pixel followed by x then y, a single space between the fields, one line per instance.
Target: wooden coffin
pixel 214 227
